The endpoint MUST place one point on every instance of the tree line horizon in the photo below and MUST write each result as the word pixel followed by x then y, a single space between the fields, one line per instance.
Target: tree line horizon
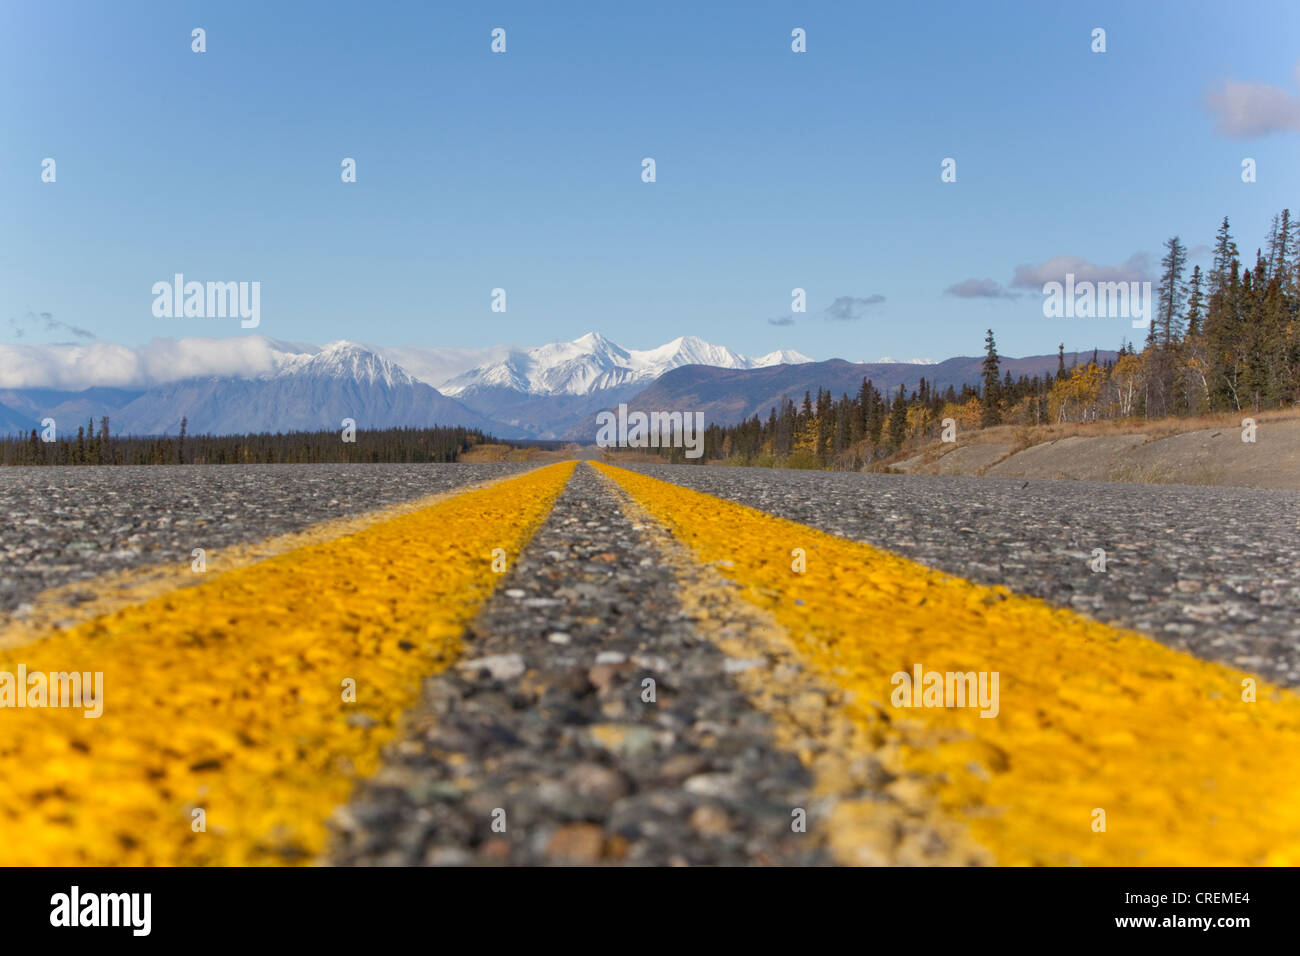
pixel 1223 340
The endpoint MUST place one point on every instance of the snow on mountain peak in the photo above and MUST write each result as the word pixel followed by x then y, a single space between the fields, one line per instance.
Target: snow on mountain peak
pixel 593 341
pixel 587 364
pixel 592 362
pixel 781 357
pixel 348 360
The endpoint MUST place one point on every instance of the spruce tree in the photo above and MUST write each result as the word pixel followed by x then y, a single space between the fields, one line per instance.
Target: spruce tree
pixel 992 383
pixel 1194 304
pixel 898 420
pixel 1225 253
pixel 1172 293
pixel 876 421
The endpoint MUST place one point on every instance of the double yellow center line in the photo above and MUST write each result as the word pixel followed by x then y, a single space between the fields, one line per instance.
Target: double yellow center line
pixel 240 712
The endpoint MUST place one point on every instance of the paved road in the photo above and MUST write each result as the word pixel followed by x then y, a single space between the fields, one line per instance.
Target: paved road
pixel 574 754
pixel 1213 571
pixel 63 525
pixel 579 664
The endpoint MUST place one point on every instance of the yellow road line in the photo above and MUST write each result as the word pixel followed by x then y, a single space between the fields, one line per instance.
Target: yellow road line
pixel 1091 718
pixel 897 824
pixel 59 608
pixel 228 697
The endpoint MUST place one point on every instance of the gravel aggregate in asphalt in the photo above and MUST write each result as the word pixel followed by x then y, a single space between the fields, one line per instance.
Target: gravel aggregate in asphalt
pixel 543 717
pixel 1211 571
pixel 66 524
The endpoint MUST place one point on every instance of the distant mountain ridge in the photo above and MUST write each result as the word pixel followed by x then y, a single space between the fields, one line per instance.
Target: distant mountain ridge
pixel 550 392
pixel 593 363
pixel 512 393
pixel 730 396
pixel 305 392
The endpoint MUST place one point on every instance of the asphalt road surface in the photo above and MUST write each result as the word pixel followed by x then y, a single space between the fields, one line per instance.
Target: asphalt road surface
pixel 492 664
pixel 1212 571
pixel 63 525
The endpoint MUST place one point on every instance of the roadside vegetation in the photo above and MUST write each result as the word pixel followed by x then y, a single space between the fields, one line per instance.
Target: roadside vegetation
pixel 1222 343
pixel 91 447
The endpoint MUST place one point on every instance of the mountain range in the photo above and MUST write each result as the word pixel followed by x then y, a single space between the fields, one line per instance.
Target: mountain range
pixel 548 392
pixel 727 397
pixel 593 363
pixel 551 390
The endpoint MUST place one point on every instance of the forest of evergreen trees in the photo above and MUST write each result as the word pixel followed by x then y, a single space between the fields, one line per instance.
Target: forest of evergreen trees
pixel 1226 340
pixel 91 447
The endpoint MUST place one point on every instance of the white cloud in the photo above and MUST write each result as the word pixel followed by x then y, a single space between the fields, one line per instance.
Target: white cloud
pixel 74 367
pixel 437 366
pixel 1252 110
pixel 1137 268
pixel 167 360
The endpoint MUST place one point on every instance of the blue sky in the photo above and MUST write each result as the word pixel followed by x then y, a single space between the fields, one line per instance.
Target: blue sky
pixel 522 170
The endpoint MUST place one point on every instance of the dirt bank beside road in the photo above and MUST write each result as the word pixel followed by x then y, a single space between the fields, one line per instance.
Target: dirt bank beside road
pixel 1214 455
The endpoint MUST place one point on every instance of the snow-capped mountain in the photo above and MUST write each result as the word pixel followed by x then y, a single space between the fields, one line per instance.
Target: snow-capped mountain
pixel 344 360
pixel 305 391
pixel 254 384
pixel 551 389
pixel 593 363
pixel 436 365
